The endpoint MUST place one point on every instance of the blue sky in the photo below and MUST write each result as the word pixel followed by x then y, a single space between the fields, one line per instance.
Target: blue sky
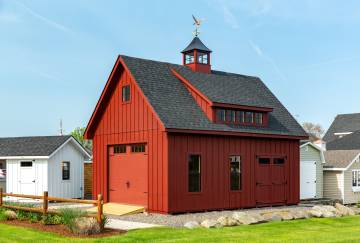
pixel 55 56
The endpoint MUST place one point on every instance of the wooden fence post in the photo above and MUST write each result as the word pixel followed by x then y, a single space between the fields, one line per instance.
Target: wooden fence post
pixel 99 209
pixel 45 203
pixel 1 197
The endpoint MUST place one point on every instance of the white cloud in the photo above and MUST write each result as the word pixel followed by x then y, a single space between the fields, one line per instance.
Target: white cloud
pixel 230 18
pixel 268 59
pixel 42 18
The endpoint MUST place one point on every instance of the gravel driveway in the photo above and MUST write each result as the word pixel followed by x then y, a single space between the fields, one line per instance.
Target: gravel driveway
pixel 180 219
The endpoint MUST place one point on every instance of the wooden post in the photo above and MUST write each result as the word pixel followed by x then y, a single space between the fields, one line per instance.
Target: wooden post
pixel 1 197
pixel 99 209
pixel 45 203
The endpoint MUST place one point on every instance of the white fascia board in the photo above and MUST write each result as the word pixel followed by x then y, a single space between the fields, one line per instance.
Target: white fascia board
pixel 334 169
pixel 76 143
pixel 24 157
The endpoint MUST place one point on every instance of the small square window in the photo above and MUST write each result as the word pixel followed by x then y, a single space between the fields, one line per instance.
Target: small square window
pixel 189 58
pixel 202 58
pixel 230 116
pixel 279 161
pixel 119 149
pixel 240 117
pixel 126 93
pixel 65 165
pixel 259 118
pixel 26 164
pixel 264 161
pixel 249 118
pixel 138 148
pixel 220 115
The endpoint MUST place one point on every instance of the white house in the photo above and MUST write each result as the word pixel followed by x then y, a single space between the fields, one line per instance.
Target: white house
pixel 50 163
pixel 311 171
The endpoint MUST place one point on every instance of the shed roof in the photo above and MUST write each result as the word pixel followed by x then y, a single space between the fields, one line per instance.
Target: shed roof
pixel 31 146
pixel 340 158
pixel 197 44
pixel 176 107
pixel 348 142
pixel 343 123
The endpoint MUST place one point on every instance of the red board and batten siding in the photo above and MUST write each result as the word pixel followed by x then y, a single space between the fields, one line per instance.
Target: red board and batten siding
pixel 128 123
pixel 215 152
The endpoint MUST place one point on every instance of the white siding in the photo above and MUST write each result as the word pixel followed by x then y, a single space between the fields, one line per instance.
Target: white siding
pixel 308 153
pixel 13 176
pixel 72 188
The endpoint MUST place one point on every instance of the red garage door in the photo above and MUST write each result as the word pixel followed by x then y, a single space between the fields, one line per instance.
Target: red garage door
pixel 270 181
pixel 128 174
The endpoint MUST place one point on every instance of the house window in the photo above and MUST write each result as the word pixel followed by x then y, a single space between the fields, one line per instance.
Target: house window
pixel 235 173
pixel 138 148
pixel 26 164
pixel 119 149
pixel 230 116
pixel 356 180
pixel 202 58
pixel 126 93
pixel 240 116
pixel 65 165
pixel 194 168
pixel 189 58
pixel 258 118
pixel 220 115
pixel 249 117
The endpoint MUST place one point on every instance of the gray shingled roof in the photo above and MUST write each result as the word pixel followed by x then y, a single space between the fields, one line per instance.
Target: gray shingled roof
pixel 339 158
pixel 348 142
pixel 197 44
pixel 30 146
pixel 176 107
pixel 343 123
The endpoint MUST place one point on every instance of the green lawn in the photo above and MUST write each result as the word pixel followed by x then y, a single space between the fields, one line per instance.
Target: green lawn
pixel 312 230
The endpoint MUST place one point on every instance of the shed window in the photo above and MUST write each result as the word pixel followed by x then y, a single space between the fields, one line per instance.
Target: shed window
pixel 194 164
pixel 189 58
pixel 26 164
pixel 126 93
pixel 65 165
pixel 221 115
pixel 202 58
pixel 230 116
pixel 235 173
pixel 264 161
pixel 240 116
pixel 138 148
pixel 258 118
pixel 279 161
pixel 249 117
pixel 119 149
pixel 356 180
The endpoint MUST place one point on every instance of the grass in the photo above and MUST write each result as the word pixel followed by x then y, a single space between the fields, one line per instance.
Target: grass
pixel 345 229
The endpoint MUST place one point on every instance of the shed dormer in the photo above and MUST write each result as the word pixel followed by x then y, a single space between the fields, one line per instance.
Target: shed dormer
pixel 197 56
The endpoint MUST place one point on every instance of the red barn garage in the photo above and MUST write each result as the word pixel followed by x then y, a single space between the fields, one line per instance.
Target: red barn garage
pixel 180 138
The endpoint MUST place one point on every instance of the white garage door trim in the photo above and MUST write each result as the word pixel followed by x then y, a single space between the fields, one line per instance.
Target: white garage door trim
pixel 307 179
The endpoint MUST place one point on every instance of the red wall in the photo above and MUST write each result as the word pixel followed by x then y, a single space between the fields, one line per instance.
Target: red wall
pixel 130 123
pixel 215 151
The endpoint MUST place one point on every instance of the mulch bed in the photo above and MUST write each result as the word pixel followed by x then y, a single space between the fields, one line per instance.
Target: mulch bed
pixel 61 229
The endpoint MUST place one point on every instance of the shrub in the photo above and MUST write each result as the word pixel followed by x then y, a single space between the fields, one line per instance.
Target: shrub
pixel 51 219
pixel 104 221
pixel 10 215
pixel 69 216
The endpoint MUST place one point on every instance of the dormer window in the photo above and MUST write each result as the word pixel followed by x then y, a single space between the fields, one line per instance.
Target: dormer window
pixel 126 93
pixel 202 58
pixel 241 117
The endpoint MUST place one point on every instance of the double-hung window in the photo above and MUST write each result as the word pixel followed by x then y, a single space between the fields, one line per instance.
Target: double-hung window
pixel 65 167
pixel 356 180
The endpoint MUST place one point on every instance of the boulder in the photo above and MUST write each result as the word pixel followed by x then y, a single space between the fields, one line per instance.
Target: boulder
pixel 86 226
pixel 300 214
pixel 244 218
pixel 226 221
pixel 191 225
pixel 315 213
pixel 259 218
pixel 286 215
pixel 209 223
pixel 356 210
pixel 272 217
pixel 10 215
pixel 343 210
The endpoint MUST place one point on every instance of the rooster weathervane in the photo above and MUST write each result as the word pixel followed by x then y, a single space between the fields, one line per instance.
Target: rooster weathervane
pixel 197 23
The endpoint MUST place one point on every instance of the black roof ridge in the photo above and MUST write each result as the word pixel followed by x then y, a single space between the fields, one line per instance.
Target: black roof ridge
pixel 213 72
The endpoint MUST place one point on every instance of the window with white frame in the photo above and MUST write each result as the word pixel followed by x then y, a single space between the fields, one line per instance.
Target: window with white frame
pixel 356 180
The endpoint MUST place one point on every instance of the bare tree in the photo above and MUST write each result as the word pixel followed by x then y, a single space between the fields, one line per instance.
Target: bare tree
pixel 315 131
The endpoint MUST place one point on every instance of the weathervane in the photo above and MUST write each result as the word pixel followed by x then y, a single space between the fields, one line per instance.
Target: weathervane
pixel 197 23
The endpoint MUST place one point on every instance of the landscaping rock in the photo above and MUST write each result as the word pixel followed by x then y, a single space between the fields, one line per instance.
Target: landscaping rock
pixel 244 218
pixel 226 221
pixel 191 225
pixel 10 215
pixel 259 218
pixel 356 210
pixel 86 226
pixel 315 213
pixel 300 214
pixel 286 215
pixel 272 217
pixel 343 210
pixel 209 223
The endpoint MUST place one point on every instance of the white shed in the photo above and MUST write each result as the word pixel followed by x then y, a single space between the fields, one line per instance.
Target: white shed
pixel 37 164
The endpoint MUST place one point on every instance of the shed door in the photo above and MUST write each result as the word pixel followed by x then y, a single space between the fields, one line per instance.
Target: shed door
pixel 307 179
pixel 270 181
pixel 27 178
pixel 128 174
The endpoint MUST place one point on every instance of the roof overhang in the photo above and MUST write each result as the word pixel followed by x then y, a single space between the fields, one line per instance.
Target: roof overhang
pixel 347 167
pixel 317 148
pixel 24 157
pixel 244 107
